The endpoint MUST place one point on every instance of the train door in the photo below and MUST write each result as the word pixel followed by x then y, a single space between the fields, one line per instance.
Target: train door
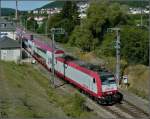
pixel 49 59
pixel 65 66
pixel 93 81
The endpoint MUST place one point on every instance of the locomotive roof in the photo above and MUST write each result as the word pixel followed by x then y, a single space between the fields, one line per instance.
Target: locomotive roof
pixel 99 69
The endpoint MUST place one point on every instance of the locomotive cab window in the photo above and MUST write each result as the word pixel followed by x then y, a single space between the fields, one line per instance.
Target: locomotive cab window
pixel 108 79
pixel 94 80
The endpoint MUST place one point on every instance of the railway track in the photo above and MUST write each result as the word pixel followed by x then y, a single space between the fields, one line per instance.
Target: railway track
pixel 124 110
pixel 117 112
pixel 131 109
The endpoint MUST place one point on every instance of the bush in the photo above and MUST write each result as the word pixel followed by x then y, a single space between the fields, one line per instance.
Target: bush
pixel 75 107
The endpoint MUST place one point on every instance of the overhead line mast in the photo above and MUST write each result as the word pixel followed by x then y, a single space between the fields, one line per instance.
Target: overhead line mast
pixel 16 10
pixel 0 16
pixel 117 47
pixel 0 8
pixel 149 50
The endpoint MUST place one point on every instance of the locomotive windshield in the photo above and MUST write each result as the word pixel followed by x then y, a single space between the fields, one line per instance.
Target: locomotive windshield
pixel 108 79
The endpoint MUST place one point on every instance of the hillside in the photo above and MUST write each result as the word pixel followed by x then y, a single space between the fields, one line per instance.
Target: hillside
pixel 55 4
pixel 11 12
pixel 132 3
pixel 25 93
pixel 7 11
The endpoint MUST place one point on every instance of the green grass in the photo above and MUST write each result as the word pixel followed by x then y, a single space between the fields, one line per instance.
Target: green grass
pixel 138 79
pixel 25 93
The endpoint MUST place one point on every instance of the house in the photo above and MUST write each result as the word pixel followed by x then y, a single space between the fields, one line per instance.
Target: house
pixel 39 20
pixel 138 11
pixel 7 28
pixel 82 8
pixel 9 49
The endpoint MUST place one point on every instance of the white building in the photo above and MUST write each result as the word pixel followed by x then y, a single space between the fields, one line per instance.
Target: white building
pixel 82 9
pixel 9 49
pixel 39 20
pixel 35 11
pixel 49 11
pixel 138 11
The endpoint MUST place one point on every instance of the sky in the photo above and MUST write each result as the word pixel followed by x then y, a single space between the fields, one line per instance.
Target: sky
pixel 24 4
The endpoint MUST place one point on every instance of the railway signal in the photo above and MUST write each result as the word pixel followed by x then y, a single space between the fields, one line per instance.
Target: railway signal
pixel 53 32
pixel 117 47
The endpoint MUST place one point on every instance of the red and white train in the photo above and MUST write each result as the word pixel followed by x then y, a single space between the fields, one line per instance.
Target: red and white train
pixel 93 80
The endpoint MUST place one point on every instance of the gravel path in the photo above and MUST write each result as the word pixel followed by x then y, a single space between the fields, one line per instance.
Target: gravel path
pixel 136 101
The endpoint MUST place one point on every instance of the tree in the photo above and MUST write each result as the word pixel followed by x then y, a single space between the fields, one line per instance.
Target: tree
pixel 82 38
pixel 41 29
pixel 134 45
pixel 31 24
pixel 70 11
pixel 54 21
pixel 67 19
pixel 100 16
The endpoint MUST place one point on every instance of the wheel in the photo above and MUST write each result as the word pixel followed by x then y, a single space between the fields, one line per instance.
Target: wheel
pixel 101 102
pixel 80 90
pixel 118 97
pixel 109 100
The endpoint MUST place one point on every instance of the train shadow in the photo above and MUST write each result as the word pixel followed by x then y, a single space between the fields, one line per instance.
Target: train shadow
pixel 58 86
pixel 112 104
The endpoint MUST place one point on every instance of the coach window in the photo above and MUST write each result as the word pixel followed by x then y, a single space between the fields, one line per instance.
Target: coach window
pixel 94 80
